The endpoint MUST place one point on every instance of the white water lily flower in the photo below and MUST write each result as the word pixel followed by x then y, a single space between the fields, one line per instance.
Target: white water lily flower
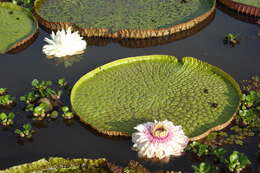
pixel 64 43
pixel 159 140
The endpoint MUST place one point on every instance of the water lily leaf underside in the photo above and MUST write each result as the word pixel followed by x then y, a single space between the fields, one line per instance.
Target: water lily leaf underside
pixel 123 18
pixel 115 97
pixel 17 26
pixel 249 7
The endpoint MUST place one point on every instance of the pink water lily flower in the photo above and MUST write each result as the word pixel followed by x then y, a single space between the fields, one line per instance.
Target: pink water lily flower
pixel 159 140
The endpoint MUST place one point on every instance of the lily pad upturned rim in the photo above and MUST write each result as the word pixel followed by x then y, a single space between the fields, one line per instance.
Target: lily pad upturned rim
pixel 30 37
pixel 124 33
pixel 242 8
pixel 148 42
pixel 54 163
pixel 148 57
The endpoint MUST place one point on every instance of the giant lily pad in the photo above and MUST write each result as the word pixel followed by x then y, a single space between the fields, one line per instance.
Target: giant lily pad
pixel 115 97
pixel 123 19
pixel 17 26
pixel 250 7
pixel 61 165
pixel 58 165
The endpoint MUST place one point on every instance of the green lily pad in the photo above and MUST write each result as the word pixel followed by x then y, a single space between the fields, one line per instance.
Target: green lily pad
pixel 58 165
pixel 17 26
pixel 255 3
pixel 115 97
pixel 61 165
pixel 117 15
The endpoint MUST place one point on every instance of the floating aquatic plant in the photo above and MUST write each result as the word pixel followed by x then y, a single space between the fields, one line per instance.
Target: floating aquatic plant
pixel 231 39
pixel 201 168
pixel 42 99
pixel 40 111
pixel 3 91
pixel 7 119
pixel 62 82
pixel 66 113
pixel 29 97
pixel 250 107
pixel 135 167
pixel 54 114
pixel 219 153
pixel 199 149
pixel 237 161
pixel 44 90
pixel 17 27
pixel 64 43
pixel 159 140
pixel 58 165
pixel 25 132
pixel 6 100
pixel 252 84
pixel 247 119
pixel 236 137
pixel 116 97
pixel 130 19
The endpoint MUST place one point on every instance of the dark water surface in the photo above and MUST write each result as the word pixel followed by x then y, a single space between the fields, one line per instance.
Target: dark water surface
pixel 17 70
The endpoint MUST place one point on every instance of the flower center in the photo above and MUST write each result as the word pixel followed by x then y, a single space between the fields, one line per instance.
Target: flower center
pixel 159 131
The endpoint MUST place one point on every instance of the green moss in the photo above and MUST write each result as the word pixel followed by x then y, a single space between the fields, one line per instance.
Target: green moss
pixel 124 93
pixel 255 3
pixel 16 25
pixel 123 14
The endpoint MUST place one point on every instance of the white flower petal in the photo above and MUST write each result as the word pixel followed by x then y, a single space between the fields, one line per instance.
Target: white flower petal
pixel 164 149
pixel 64 43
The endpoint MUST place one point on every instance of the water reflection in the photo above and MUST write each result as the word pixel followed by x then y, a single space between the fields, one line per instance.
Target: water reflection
pixel 67 61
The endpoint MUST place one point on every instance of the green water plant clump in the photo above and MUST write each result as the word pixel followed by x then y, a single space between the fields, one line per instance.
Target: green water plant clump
pixel 3 91
pixel 7 119
pixel 62 82
pixel 67 114
pixel 237 161
pixel 199 149
pixel 201 168
pixel 231 39
pixel 25 132
pixel 114 98
pixel 250 108
pixel 7 100
pixel 42 100
pixel 17 26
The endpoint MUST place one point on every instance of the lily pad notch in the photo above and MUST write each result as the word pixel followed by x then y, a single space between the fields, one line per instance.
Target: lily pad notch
pixel 243 6
pixel 18 27
pixel 125 32
pixel 135 90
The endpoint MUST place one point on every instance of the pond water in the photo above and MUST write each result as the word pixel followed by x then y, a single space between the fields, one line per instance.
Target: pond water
pixel 55 138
